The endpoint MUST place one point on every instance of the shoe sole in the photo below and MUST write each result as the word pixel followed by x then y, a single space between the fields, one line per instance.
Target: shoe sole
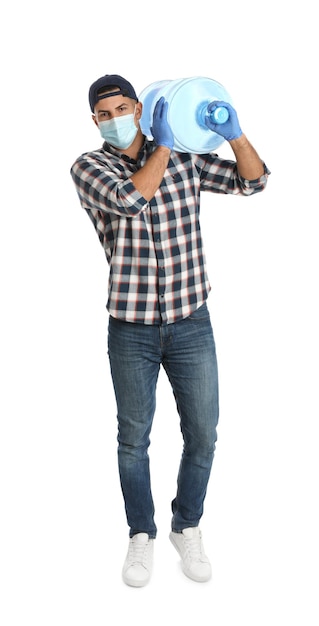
pixel 133 583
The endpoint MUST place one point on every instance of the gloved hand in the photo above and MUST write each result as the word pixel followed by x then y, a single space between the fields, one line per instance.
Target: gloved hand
pixel 161 129
pixel 230 129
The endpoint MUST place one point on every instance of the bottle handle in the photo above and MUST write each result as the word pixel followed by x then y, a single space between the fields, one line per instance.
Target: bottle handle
pixel 219 115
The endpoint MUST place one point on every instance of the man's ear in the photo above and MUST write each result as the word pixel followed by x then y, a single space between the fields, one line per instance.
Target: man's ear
pixel 138 110
pixel 95 120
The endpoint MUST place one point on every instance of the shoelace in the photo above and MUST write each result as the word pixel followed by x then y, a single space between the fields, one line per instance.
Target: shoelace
pixel 137 553
pixel 193 546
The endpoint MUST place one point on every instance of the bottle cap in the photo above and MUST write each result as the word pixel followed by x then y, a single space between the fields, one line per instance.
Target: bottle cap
pixel 220 115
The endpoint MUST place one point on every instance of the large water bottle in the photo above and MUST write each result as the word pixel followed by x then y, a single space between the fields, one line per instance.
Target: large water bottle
pixel 188 99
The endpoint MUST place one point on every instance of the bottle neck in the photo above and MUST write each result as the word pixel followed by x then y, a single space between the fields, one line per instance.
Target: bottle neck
pixel 219 115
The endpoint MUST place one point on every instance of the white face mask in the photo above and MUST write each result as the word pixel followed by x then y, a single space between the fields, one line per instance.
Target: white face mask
pixel 119 131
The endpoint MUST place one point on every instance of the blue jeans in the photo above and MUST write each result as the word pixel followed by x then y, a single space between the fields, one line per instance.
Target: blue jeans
pixel 186 350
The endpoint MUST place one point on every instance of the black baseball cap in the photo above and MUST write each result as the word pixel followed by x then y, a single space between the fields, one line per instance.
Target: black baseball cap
pixel 110 80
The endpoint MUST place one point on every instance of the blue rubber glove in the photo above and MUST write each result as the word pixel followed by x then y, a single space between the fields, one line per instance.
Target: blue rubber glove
pixel 161 129
pixel 230 129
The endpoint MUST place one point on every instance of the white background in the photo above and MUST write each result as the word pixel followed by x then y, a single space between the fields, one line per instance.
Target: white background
pixel 63 530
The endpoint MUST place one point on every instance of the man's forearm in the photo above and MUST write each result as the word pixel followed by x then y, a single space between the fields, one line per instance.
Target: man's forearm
pixel 249 164
pixel 148 179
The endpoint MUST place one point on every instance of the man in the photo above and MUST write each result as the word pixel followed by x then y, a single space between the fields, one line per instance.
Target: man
pixel 143 199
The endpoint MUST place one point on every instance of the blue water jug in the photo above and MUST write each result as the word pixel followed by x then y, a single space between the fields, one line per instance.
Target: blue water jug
pixel 187 99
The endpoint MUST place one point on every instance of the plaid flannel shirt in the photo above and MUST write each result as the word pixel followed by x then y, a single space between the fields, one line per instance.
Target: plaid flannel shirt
pixel 157 269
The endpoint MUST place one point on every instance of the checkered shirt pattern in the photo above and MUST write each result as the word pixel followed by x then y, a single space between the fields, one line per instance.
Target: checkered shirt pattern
pixel 157 269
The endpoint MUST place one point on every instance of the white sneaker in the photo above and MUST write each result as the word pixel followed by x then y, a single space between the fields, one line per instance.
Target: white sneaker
pixel 139 560
pixel 189 545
